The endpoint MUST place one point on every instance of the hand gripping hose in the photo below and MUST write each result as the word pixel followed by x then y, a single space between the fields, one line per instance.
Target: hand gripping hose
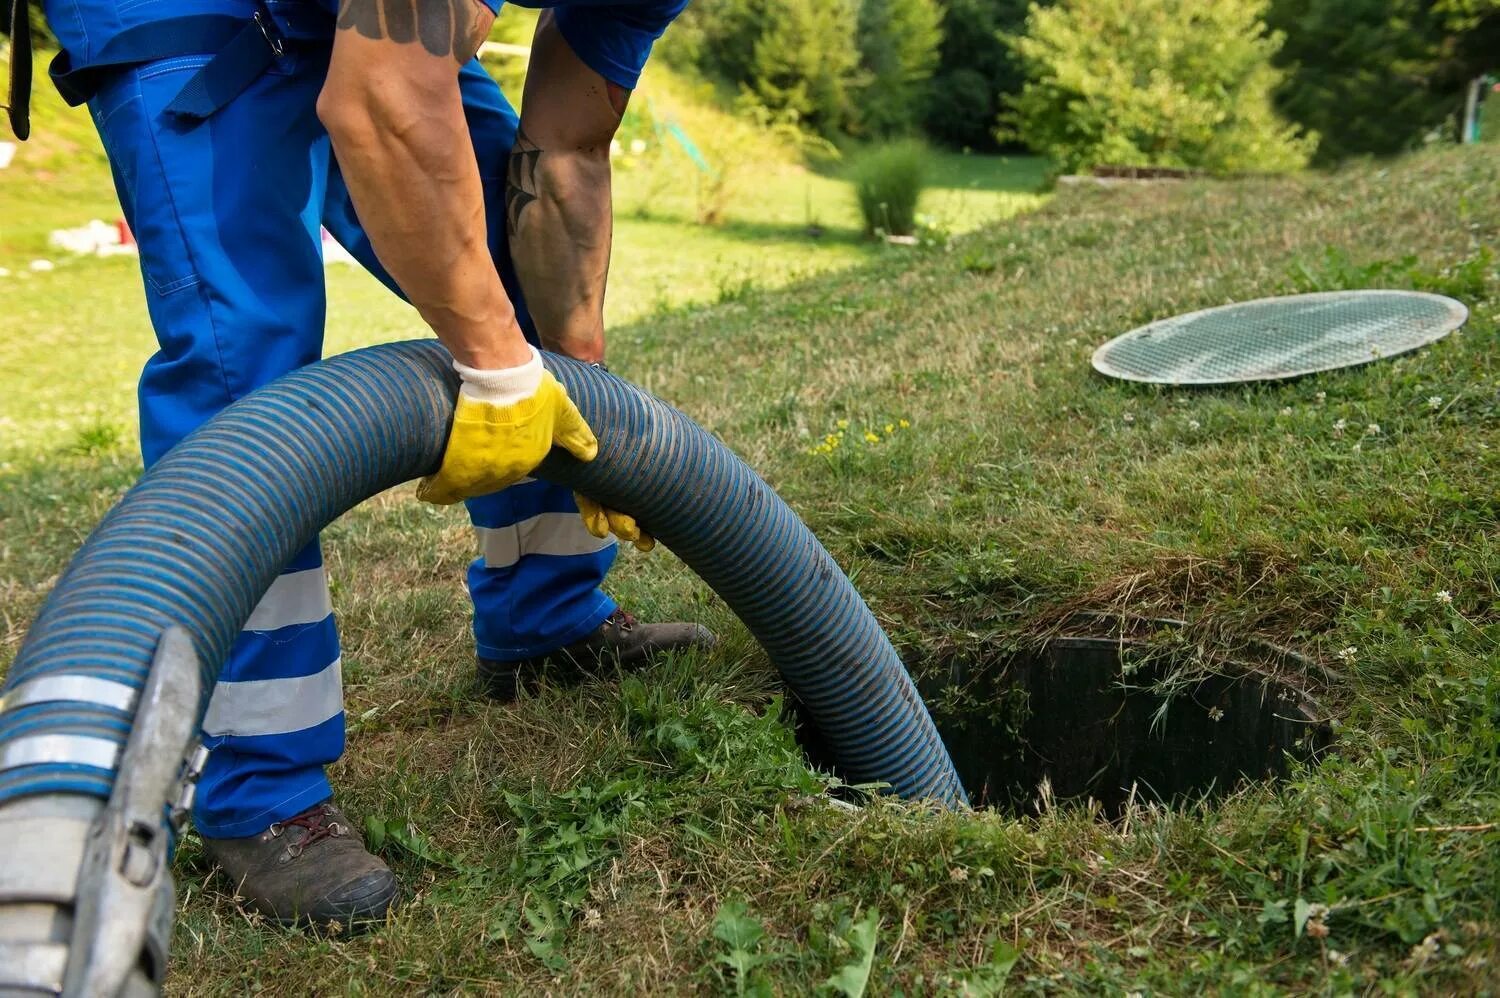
pixel 196 543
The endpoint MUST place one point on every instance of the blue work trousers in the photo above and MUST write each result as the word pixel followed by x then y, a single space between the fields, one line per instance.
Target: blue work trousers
pixel 227 214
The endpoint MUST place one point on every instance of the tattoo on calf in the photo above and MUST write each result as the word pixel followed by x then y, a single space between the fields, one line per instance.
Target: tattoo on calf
pixel 520 180
pixel 443 27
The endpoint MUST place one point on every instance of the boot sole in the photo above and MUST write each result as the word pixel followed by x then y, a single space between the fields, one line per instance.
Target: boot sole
pixel 358 914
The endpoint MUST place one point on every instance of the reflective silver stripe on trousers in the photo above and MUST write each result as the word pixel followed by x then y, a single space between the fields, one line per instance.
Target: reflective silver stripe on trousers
pixel 73 750
pixel 558 534
pixel 83 689
pixel 275 706
pixel 294 598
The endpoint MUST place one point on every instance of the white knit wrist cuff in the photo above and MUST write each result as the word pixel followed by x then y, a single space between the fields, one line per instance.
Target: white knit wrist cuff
pixel 507 386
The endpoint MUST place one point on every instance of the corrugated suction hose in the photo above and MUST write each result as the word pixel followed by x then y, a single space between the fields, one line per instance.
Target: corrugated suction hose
pixel 205 532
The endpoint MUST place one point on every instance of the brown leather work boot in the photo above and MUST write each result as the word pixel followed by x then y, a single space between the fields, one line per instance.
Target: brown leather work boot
pixel 621 642
pixel 311 868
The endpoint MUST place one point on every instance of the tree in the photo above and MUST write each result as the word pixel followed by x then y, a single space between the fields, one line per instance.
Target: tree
pixel 718 37
pixel 798 59
pixel 1176 83
pixel 976 68
pixel 899 46
pixel 805 62
pixel 1378 76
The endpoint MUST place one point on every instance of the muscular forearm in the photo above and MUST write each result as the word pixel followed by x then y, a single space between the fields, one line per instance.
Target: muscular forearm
pixel 558 194
pixel 558 214
pixel 403 145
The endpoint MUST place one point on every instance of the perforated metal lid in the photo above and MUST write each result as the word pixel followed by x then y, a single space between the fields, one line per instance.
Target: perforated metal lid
pixel 1274 338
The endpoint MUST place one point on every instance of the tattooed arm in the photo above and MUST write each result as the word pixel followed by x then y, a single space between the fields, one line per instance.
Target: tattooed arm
pixel 558 194
pixel 391 103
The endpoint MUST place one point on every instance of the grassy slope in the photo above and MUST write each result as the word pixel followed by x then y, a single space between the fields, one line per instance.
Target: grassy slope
pixel 627 822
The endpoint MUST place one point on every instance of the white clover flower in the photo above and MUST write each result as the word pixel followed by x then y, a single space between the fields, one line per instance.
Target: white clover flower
pixel 1215 714
pixel 1338 959
pixel 1193 424
pixel 1443 596
pixel 1424 951
pixel 1286 410
pixel 1372 429
pixel 1128 418
pixel 1338 427
pixel 1347 654
pixel 1321 397
pixel 1434 402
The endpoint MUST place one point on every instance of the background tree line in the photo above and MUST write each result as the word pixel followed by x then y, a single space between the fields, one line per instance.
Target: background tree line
pixel 1278 80
pixel 1232 84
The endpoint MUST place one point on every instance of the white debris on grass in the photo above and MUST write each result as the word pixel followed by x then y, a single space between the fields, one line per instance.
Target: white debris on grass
pixel 41 266
pixel 97 238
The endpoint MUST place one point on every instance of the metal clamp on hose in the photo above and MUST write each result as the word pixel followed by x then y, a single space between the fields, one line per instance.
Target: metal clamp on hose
pixel 123 914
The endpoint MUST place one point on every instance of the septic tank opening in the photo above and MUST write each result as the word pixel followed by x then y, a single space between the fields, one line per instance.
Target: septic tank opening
pixel 1110 720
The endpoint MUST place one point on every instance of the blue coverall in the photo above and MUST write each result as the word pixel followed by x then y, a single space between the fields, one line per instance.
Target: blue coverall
pixel 227 212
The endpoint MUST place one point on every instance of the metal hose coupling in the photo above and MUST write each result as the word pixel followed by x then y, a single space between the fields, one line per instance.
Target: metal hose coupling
pixel 101 927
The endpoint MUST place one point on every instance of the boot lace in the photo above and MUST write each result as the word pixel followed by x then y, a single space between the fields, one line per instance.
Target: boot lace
pixel 317 824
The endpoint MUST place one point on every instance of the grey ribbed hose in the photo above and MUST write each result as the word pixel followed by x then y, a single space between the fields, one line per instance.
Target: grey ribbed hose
pixel 207 530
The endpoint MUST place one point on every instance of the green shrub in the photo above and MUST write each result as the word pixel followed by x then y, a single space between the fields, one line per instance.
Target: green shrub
pixel 1176 83
pixel 888 181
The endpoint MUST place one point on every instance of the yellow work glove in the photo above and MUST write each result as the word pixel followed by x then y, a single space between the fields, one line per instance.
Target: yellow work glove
pixel 505 423
pixel 602 522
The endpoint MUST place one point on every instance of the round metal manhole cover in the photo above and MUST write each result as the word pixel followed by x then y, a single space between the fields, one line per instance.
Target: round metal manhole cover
pixel 1273 338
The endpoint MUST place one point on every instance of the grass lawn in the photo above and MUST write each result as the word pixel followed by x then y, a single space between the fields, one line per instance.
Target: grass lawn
pixel 662 834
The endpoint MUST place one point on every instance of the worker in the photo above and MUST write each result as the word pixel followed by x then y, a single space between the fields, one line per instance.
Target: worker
pixel 235 129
